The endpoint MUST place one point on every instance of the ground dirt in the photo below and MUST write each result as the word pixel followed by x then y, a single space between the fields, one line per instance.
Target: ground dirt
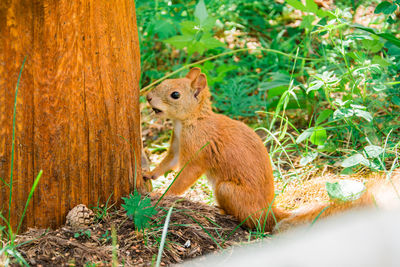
pixel 195 229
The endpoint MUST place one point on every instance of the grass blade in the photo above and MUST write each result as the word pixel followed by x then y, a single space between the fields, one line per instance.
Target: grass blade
pixel 319 214
pixel 13 140
pixel 205 230
pixel 33 188
pixel 163 237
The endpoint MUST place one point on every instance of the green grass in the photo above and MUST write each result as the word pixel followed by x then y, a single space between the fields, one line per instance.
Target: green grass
pixel 101 211
pixel 163 237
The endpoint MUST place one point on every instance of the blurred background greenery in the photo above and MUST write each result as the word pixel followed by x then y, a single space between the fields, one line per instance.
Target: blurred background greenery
pixel 319 80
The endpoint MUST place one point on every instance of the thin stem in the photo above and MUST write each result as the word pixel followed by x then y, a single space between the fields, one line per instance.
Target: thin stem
pixel 13 140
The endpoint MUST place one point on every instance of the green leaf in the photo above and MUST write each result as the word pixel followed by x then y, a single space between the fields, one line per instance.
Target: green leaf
pixel 373 151
pixel 304 135
pixel 311 6
pixel 309 157
pixel 201 12
pixel 323 116
pixel 164 28
pixel 328 147
pixel 140 210
pixel 343 113
pixel 340 102
pixel 189 28
pixel 396 100
pixel 297 4
pixel 211 42
pixel 208 24
pixel 386 8
pixel 392 49
pixel 355 160
pixel 283 131
pixel 390 20
pixel 345 190
pixel 363 114
pixel 180 41
pixel 315 85
pixel 88 233
pixel 347 171
pixel 319 136
pixel 307 22
pixel 373 45
pixel 379 87
pixel 387 36
pixel 380 61
pixel 278 79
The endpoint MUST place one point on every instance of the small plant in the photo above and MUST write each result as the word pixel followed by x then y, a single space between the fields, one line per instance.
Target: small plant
pixel 196 35
pixel 83 233
pixel 106 237
pixel 139 210
pixel 237 98
pixel 389 9
pixel 100 211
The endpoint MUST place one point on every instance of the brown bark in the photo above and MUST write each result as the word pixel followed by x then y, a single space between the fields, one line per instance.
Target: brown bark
pixel 78 98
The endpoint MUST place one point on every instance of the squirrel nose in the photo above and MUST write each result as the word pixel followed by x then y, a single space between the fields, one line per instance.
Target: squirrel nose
pixel 148 97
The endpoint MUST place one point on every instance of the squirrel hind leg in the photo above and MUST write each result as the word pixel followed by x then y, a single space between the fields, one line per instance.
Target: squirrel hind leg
pixel 242 204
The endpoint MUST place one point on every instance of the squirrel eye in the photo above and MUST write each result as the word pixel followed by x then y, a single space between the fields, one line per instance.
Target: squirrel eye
pixel 175 95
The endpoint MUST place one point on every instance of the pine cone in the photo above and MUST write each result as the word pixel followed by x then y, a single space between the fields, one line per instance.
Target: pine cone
pixel 80 217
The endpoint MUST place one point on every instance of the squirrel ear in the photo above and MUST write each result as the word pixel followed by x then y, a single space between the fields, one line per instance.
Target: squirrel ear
pixel 199 84
pixel 193 73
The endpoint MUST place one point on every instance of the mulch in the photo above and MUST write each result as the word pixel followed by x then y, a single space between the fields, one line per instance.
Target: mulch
pixel 195 229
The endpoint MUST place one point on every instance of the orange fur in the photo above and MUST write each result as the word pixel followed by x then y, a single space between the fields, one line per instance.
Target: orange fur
pixel 234 160
pixel 380 194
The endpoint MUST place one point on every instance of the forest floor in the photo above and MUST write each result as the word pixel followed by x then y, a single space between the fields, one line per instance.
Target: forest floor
pixel 195 229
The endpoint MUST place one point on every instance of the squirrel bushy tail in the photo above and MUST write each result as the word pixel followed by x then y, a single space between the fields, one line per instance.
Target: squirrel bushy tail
pixel 380 194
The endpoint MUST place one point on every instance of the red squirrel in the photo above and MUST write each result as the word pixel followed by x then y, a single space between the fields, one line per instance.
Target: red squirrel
pixel 230 153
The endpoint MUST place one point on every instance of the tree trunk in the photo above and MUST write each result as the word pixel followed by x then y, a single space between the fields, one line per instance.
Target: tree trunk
pixel 78 104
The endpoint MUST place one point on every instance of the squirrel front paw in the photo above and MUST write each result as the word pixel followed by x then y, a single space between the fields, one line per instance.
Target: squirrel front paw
pixel 149 176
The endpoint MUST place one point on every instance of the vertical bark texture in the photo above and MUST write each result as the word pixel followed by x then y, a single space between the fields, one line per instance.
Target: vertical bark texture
pixel 78 100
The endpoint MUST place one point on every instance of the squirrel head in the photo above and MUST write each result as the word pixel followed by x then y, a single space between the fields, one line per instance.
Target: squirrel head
pixel 180 99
